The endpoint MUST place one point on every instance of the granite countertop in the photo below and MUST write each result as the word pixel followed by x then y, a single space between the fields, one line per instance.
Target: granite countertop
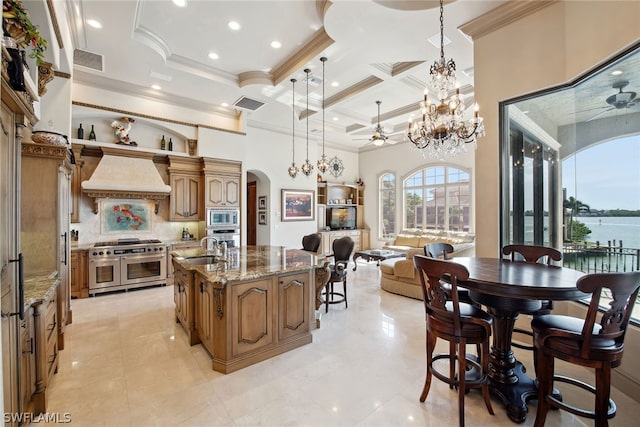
pixel 76 247
pixel 39 287
pixel 249 263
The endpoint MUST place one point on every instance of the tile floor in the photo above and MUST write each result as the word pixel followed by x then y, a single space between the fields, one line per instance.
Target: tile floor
pixel 127 363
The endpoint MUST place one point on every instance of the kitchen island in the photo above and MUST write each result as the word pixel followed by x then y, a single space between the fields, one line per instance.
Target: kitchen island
pixel 255 303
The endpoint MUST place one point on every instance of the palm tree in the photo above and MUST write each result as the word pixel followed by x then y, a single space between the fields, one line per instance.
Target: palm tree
pixel 574 206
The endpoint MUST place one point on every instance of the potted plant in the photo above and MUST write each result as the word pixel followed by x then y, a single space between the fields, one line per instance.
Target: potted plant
pixel 17 24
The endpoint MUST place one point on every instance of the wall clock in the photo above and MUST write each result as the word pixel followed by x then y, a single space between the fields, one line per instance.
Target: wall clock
pixel 336 167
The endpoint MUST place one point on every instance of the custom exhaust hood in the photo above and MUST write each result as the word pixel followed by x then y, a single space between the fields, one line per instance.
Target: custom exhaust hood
pixel 124 177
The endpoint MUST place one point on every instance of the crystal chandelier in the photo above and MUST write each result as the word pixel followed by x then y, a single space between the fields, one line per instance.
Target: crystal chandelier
pixel 323 161
pixel 307 167
pixel 293 169
pixel 443 130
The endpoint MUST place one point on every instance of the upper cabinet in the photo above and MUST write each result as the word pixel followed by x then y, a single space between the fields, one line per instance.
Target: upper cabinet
pixel 186 189
pixel 222 183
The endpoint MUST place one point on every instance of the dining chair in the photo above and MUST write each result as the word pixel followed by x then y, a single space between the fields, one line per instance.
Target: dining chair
pixel 585 342
pixel 532 254
pixel 342 249
pixel 459 324
pixel 311 242
pixel 436 250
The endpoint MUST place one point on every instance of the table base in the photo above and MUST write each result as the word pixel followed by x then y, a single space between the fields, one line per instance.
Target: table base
pixel 515 396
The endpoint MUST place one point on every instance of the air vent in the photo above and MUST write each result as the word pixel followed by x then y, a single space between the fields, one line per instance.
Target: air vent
pixel 248 104
pixel 313 81
pixel 88 59
pixel 315 131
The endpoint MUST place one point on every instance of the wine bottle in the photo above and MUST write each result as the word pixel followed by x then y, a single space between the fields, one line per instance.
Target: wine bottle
pixel 80 132
pixel 163 144
pixel 170 145
pixel 92 134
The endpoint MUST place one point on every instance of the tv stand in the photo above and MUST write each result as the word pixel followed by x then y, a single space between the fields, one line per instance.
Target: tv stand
pixel 360 239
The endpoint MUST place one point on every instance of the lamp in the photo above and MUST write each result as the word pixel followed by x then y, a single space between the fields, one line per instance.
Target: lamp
pixel 323 162
pixel 293 169
pixel 307 167
pixel 443 131
pixel 379 138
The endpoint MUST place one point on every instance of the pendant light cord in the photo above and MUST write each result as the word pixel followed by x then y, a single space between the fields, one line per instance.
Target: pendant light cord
pixel 323 59
pixel 307 71
pixel 442 31
pixel 293 119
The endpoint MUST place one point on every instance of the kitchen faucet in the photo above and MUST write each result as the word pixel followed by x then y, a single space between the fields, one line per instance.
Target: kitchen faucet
pixel 215 249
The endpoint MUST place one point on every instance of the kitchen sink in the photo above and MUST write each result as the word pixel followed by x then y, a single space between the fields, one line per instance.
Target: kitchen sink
pixel 203 259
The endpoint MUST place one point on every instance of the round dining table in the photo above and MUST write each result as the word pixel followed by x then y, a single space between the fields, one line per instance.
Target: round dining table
pixel 508 288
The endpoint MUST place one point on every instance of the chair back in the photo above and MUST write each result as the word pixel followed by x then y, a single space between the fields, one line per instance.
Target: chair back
pixel 532 254
pixel 623 288
pixel 435 297
pixel 342 248
pixel 311 242
pixel 435 250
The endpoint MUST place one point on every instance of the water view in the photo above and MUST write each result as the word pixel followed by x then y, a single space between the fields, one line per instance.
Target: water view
pixel 606 228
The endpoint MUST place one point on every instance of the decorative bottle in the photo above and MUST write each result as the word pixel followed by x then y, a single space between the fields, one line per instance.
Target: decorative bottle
pixel 92 134
pixel 80 132
pixel 163 144
pixel 170 145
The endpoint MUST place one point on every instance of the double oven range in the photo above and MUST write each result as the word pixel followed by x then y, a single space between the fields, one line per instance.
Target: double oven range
pixel 126 263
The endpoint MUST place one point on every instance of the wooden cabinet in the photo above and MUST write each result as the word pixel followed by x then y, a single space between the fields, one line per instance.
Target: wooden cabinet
pixel 222 191
pixel 293 304
pixel 186 197
pixel 222 183
pixel 174 247
pixel 27 360
pixel 79 273
pixel 76 187
pixel 183 294
pixel 46 347
pixel 360 239
pixel 336 195
pixel 205 312
pixel 252 305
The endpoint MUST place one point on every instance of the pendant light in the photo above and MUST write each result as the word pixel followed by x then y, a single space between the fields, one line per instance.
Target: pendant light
pixel 323 162
pixel 307 167
pixel 293 169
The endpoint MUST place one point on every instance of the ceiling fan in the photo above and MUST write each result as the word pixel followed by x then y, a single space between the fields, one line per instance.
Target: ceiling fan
pixel 379 137
pixel 619 100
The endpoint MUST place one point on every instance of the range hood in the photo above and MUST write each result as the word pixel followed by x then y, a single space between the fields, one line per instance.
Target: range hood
pixel 124 177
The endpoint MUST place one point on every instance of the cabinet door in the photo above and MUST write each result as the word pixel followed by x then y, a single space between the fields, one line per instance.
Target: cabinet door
pixel 232 192
pixel 205 313
pixel 293 305
pixel 76 278
pixel 185 198
pixel 215 191
pixel 252 310
pixel 27 361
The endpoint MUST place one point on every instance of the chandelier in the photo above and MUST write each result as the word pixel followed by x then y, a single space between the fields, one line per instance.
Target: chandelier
pixel 307 167
pixel 323 161
pixel 443 130
pixel 293 169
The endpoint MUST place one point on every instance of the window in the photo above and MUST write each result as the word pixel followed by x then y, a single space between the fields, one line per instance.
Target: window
pixel 387 204
pixel 438 198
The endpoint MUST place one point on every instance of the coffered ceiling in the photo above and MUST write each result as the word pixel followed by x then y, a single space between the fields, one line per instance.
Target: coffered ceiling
pixel 376 50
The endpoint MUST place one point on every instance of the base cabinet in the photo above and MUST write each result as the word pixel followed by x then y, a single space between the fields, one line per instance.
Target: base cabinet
pixel 80 273
pixel 46 350
pixel 183 293
pixel 244 323
pixel 27 361
pixel 360 239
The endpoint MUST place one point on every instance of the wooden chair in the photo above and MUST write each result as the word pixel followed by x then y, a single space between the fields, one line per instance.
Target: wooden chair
pixel 586 343
pixel 311 242
pixel 458 323
pixel 342 249
pixel 532 254
pixel 435 250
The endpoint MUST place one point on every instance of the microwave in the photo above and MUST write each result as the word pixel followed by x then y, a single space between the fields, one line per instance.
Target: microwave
pixel 223 218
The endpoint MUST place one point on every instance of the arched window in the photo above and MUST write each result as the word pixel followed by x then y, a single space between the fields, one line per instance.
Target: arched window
pixel 438 198
pixel 387 205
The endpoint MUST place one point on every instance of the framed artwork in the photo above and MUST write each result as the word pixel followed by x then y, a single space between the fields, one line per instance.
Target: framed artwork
pixel 262 217
pixel 298 205
pixel 262 202
pixel 125 215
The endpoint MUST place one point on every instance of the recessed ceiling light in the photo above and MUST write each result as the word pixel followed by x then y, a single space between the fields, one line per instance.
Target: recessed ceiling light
pixel 616 72
pixel 335 84
pixel 156 87
pixel 93 23
pixel 234 25
pixel 224 104
pixel 180 3
pixel 335 119
pixel 276 44
pixel 213 55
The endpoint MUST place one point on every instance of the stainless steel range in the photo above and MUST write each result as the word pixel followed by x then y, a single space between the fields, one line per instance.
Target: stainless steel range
pixel 126 263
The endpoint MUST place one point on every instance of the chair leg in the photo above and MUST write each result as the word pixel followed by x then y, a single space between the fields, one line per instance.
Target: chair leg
pixel 603 390
pixel 344 288
pixel 431 345
pixel 545 386
pixel 462 368
pixel 326 297
pixel 452 364
pixel 483 354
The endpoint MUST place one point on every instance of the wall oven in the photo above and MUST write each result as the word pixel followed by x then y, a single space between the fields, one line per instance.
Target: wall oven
pixel 227 218
pixel 125 264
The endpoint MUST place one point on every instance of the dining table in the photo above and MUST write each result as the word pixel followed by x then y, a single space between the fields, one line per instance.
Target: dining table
pixel 508 288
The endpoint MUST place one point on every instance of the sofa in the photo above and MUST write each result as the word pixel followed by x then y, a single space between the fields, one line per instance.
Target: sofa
pixel 399 275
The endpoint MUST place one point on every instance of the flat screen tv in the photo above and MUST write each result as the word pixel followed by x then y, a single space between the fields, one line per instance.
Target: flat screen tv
pixel 342 218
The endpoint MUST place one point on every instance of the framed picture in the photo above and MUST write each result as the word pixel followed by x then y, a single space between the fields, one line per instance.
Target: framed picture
pixel 262 217
pixel 262 202
pixel 118 216
pixel 298 205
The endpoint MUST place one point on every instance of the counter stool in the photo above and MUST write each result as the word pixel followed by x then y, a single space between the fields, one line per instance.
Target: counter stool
pixel 586 343
pixel 342 249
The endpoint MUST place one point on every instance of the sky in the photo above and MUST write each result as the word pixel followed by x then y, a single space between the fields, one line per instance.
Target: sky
pixel 608 175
